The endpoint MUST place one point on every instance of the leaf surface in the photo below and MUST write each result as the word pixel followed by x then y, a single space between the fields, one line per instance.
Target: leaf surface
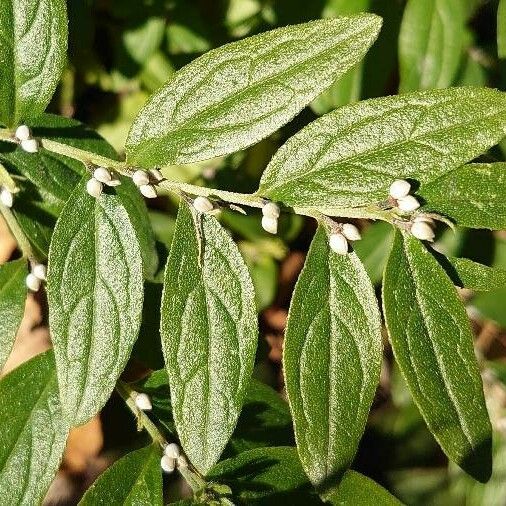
pixel 95 292
pixel 238 94
pixel 209 334
pixel 433 345
pixel 332 357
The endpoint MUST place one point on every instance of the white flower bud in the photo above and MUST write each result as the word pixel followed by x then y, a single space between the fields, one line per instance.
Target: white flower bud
pixel 39 271
pixel 422 218
pixel 6 197
pixel 167 464
pixel 351 232
pixel 94 187
pixel 338 243
pixel 271 210
pixel 203 204
pixel 148 191
pixel 408 204
pixel 270 224
pixel 399 189
pixel 102 174
pixel 114 181
pixel 30 145
pixel 23 133
pixel 32 282
pixel 140 177
pixel 172 450
pixel 182 462
pixel 157 175
pixel 143 402
pixel 422 231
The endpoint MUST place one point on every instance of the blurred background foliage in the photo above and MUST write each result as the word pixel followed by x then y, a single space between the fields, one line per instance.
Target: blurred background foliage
pixel 121 51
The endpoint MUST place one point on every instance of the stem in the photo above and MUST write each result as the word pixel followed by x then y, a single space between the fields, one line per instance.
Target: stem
pixel 19 235
pixel 191 476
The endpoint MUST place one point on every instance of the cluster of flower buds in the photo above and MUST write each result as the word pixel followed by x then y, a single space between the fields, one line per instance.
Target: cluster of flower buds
pixel 142 180
pixel 26 141
pixel 422 228
pixel 6 196
pixel 270 216
pixel 142 401
pixel 172 457
pixel 399 190
pixel 101 176
pixel 203 204
pixel 338 239
pixel 36 277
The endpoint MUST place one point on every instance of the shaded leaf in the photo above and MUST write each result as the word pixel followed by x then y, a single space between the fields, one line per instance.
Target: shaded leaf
pixel 95 291
pixel 332 358
pixel 433 345
pixel 32 431
pixel 209 334
pixel 236 95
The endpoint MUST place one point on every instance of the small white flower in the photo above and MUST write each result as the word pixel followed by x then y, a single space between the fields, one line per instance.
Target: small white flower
pixel 167 464
pixel 30 145
pixel 338 243
pixel 102 174
pixel 39 271
pixel 6 197
pixel 182 462
pixel 114 181
pixel 23 133
pixel 157 175
pixel 32 282
pixel 203 204
pixel 271 210
pixel 143 402
pixel 399 189
pixel 408 204
pixel 422 230
pixel 140 177
pixel 351 232
pixel 172 450
pixel 425 219
pixel 148 191
pixel 270 224
pixel 94 187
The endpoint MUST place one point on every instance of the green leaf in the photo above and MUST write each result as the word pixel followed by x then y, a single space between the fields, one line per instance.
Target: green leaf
pixel 209 334
pixel 471 195
pixel 32 431
pixel 355 488
pixel 12 304
pixel 332 358
pixel 95 291
pixel 51 178
pixel 265 476
pixel 33 52
pixel 133 480
pixel 351 156
pixel 433 345
pixel 236 95
pixel 501 29
pixel 472 275
pixel 430 43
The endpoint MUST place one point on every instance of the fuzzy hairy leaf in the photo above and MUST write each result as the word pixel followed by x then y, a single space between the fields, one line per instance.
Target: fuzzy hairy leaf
pixel 351 156
pixel 430 43
pixel 95 292
pixel 209 334
pixel 433 345
pixel 471 195
pixel 266 476
pixel 236 95
pixel 133 480
pixel 32 431
pixel 12 303
pixel 32 56
pixel 332 358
